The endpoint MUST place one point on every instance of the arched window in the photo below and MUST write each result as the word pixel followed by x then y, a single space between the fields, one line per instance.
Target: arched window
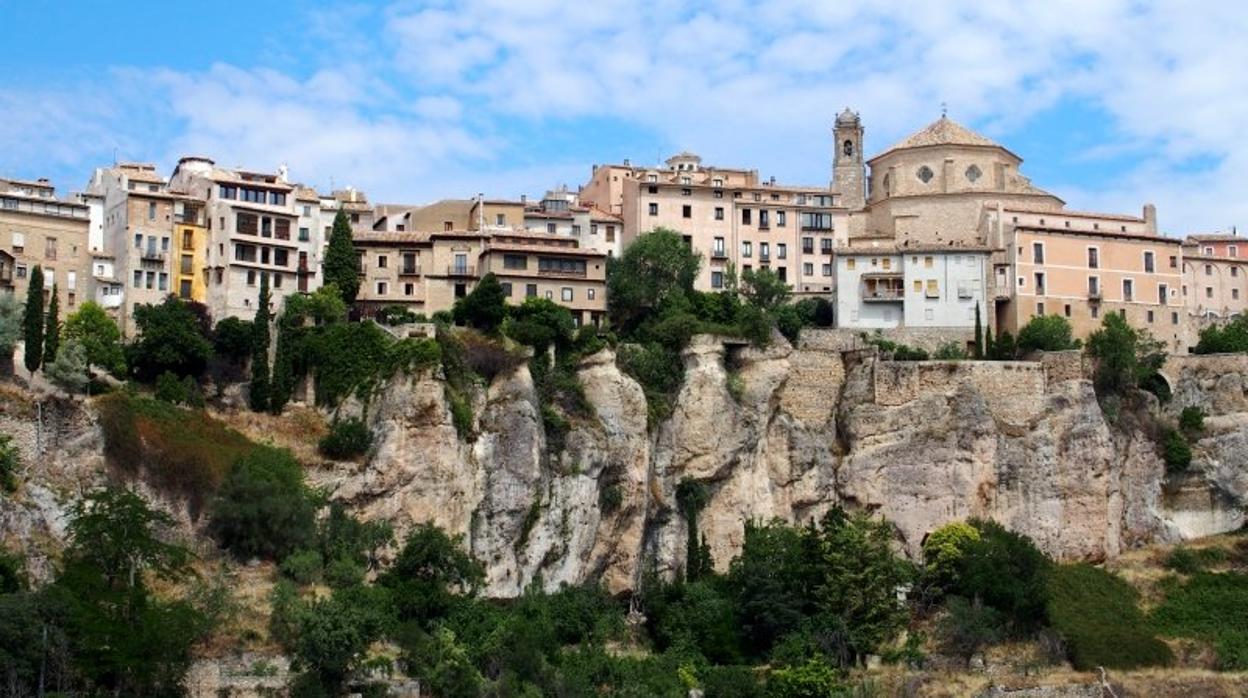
pixel 925 174
pixel 848 148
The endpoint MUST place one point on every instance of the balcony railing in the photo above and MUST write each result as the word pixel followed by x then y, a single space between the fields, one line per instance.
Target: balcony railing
pixel 826 249
pixel 152 255
pixel 573 273
pixel 1094 294
pixel 719 254
pixel 461 270
pixel 999 292
pixel 409 270
pixel 882 294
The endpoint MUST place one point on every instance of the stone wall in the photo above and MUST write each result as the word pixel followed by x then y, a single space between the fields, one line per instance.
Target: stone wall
pixel 1013 390
pixel 845 339
pixel 814 383
pixel 1064 366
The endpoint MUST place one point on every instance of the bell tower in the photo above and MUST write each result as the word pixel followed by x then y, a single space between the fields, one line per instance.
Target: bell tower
pixel 848 173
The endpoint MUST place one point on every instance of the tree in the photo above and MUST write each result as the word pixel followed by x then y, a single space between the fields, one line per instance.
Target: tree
pixel 764 289
pixel 1229 338
pixel 232 339
pixel 33 320
pixel 428 569
pixel 656 267
pixel 1006 571
pixel 11 327
pixel 263 508
pixel 979 336
pixel 99 337
pixel 52 329
pixel 540 322
pixel 485 307
pixel 259 390
pixel 10 459
pixel 341 266
pixel 69 369
pixel 990 351
pixel 1004 349
pixel 1125 357
pixel 171 337
pixel 1046 333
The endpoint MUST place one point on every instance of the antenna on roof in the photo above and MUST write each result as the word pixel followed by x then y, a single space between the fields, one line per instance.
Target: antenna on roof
pixel 944 110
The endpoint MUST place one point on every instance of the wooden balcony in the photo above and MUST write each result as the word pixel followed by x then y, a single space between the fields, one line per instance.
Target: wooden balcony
pixel 461 270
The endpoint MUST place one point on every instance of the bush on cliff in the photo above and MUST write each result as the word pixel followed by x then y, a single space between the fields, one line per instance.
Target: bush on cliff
pixel 1004 570
pixel 1097 614
pixel 1213 608
pixel 347 438
pixel 263 508
pixel 1046 333
pixel 1126 358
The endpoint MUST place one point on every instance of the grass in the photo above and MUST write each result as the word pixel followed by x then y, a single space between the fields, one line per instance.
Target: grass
pixel 1210 607
pixel 181 452
pixel 1098 615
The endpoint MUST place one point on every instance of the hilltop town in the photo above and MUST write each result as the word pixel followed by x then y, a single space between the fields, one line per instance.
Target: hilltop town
pixel 917 236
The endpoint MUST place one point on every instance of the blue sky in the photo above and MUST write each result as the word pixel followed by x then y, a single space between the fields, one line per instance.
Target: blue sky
pixel 1110 103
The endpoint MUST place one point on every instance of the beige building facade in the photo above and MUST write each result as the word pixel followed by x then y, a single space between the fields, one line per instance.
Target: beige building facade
pixel 38 229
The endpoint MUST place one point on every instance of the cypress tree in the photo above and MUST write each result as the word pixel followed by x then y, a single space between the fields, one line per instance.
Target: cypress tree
pixel 259 392
pixel 32 321
pixel 979 335
pixel 989 349
pixel 341 266
pixel 52 329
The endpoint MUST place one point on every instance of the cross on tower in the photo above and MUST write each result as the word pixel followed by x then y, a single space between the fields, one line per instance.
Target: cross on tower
pixel 944 110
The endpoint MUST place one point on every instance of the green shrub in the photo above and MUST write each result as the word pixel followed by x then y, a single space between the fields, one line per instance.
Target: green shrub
pixel 969 626
pixel 1046 333
pixel 398 315
pixel 1192 421
pixel 610 498
pixel 461 412
pixel 347 438
pixel 950 351
pixel 943 553
pixel 484 308
pixel 343 572
pixel 488 357
pixel 814 679
pixel 1213 608
pixel 263 508
pixel 1175 451
pixel 539 323
pixel 10 460
pixel 1006 571
pixel 1185 560
pixel 169 388
pixel 303 566
pixel 1229 338
pixel 1098 615
pixel 658 370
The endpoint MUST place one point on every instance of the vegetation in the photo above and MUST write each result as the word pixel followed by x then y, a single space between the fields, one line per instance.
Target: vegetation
pixel 32 321
pixel 258 390
pixel 1185 560
pixel 897 351
pixel 1192 421
pixel 1126 358
pixel 263 509
pixel 99 337
pixel 171 337
pixel 10 460
pixel 1224 339
pixel 484 308
pixel 1212 608
pixel 347 438
pixel 68 370
pixel 1098 616
pixel 52 329
pixel 1046 333
pixel 341 267
pixel 978 353
pixel 11 328
pixel 1175 451
pixel 950 351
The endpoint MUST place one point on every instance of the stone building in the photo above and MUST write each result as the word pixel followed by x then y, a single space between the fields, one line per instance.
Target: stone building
pixel 734 220
pixel 253 231
pixel 1215 281
pixel 38 229
pixel 560 212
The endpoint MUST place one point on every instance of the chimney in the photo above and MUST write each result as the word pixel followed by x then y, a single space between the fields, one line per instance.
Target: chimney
pixel 1150 218
pixel 524 199
pixel 772 180
pixel 627 163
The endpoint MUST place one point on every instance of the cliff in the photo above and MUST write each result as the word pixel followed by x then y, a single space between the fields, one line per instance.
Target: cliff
pixel 787 433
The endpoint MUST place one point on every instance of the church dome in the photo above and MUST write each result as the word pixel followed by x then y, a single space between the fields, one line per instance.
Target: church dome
pixel 847 118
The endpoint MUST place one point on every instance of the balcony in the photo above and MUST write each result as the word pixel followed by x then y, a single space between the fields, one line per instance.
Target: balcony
pixel 882 293
pixel 764 258
pixel 719 254
pixel 562 273
pixel 826 249
pixel 887 288
pixel 808 249
pixel 461 270
pixel 409 270
pixel 150 255
pixel 1094 295
pixel 999 292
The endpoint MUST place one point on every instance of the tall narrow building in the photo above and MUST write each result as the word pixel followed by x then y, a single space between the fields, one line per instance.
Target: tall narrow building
pixel 848 173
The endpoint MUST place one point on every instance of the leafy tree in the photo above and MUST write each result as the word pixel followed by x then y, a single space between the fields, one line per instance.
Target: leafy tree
pixel 698 616
pixel 1006 571
pixel 98 335
pixel 341 266
pixel 1176 451
pixel 263 508
pixel 52 329
pixel 764 289
pixel 1229 338
pixel 69 367
pixel 333 635
pixel 11 328
pixel 969 626
pixel 171 337
pixel 1125 357
pixel 814 679
pixel 485 307
pixel 656 267
pixel 259 389
pixel 692 496
pixel 817 311
pixel 979 336
pixel 1003 349
pixel 1046 333
pixel 539 323
pixel 950 351
pixel 125 641
pixel 232 338
pixel 771 583
pixel 33 320
pixel 943 552
pixel 12 573
pixel 428 569
pixel 347 438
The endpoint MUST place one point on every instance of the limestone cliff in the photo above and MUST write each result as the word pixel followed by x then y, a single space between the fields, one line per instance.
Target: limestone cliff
pixel 787 433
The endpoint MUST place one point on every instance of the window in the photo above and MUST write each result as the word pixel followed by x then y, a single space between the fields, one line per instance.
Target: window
pixel 610 233
pixel 686 211
pixel 506 286
pixel 1232 251
pixel 808 269
pixel 409 289
pixel 1208 292
pixel 782 251
pixel 1163 291
pixel 1094 258
pixel 1037 252
pixel 717 279
pixel 745 216
pixel 591 293
pixel 747 248
pixel 1174 261
pixel 138 279
pixel 887 263
pixel 717 248
pixel 1235 294
pixel 933 288
pixel 382 261
pixel 925 174
pixel 461 290
pixel 188 239
pixel 1208 270
pixel 1148 262
pixel 1094 287
pixel 576 229
pixel 808 245
pixel 246 223
pixel 685 192
pixel 530 290
pixel 928 262
pixel 184 288
pixel 515 261
pixel 1066 310
pixel 1039 308
pixel 850 263
pixel 764 251
pixel 654 209
pixel 1039 283
pixel 718 195
pixel 1096 311
pixel 827 270
pixel 550 228
pixel 304 235
pixel 565 294
pixel 719 213
pixel 564 266
pixel 1150 317
pixel 500 219
pixel 918 285
pixel 817 221
pixel 1174 318
pixel 49 248
pixel 149 280
pixel 1128 290
pixel 781 219
pixel 187 264
pixel 973 173
pixel 281 257
pixel 151 210
pixel 764 218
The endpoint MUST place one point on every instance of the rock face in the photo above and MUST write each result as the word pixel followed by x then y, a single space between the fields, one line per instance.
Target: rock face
pixel 786 433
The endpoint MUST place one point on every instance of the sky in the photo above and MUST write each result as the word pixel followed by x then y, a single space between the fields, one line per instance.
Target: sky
pixel 1110 103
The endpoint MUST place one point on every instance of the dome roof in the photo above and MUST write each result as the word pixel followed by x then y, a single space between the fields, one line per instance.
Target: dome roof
pixel 847 118
pixel 943 131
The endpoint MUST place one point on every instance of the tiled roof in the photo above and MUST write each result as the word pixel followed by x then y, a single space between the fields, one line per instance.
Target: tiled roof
pixel 1216 237
pixel 943 131
pixel 1160 239
pixel 1073 214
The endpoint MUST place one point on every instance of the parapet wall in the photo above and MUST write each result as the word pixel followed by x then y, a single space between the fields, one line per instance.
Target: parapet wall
pixel 845 339
pixel 1014 390
pixel 814 385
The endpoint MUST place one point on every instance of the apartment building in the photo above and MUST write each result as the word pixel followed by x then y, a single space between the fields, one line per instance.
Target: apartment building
pixel 880 284
pixel 734 220
pixel 252 231
pixel 37 228
pixel 426 272
pixel 190 237
pixel 561 213
pixel 1215 281
pixel 1082 265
